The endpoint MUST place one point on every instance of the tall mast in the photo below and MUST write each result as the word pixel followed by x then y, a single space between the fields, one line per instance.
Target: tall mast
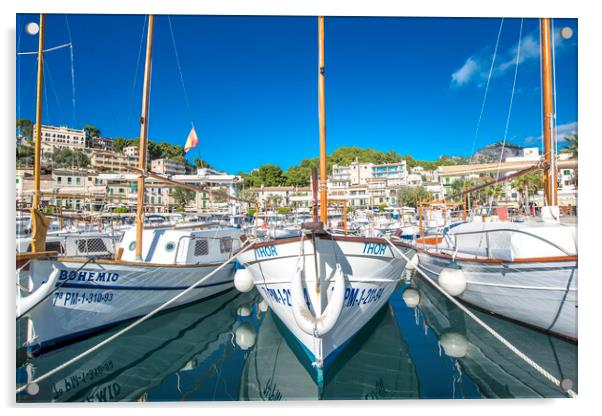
pixel 322 114
pixel 38 135
pixel 143 138
pixel 550 185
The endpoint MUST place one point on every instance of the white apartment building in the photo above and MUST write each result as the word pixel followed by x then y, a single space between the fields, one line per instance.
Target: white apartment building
pixel 113 162
pixel 131 151
pixel 168 167
pixel 394 173
pixel 526 154
pixel 414 179
pixel 356 173
pixel 273 196
pixel 63 137
pixel 359 173
pixel 102 143
pixel 60 137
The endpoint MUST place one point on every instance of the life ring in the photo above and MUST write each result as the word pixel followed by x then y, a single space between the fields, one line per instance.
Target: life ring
pixel 317 326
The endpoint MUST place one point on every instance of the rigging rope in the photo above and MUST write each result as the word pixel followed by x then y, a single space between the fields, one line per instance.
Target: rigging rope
pixel 136 70
pixel 492 331
pixel 45 93
pixel 53 86
pixel 497 175
pixel 175 48
pixel 474 140
pixel 71 56
pixel 22 95
pixel 553 158
pixel 133 324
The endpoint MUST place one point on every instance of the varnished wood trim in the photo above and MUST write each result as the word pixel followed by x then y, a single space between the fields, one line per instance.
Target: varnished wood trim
pixel 552 259
pixel 39 255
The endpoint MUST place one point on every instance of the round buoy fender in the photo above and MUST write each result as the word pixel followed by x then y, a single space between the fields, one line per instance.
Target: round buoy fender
pixel 452 279
pixel 243 280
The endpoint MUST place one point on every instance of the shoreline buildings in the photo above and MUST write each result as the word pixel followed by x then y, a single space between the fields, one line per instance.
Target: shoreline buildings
pixel 109 181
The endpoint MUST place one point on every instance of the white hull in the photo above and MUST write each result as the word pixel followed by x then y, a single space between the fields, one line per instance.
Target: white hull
pixel 539 294
pixel 371 272
pixel 103 294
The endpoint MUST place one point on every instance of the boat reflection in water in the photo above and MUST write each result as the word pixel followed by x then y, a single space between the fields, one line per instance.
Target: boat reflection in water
pixel 495 370
pixel 169 345
pixel 375 365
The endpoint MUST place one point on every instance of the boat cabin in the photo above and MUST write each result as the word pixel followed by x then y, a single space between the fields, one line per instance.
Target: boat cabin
pixel 177 246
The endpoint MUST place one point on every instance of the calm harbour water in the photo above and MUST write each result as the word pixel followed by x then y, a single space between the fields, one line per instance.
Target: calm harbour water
pixel 226 348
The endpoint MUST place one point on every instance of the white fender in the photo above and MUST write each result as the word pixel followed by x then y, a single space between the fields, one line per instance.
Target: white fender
pixel 25 304
pixel 319 325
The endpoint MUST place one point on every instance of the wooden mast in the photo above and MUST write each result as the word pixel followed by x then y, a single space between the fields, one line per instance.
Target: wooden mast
pixel 550 185
pixel 143 139
pixel 38 238
pixel 322 116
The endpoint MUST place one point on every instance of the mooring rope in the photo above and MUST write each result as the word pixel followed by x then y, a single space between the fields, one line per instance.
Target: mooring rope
pixel 493 332
pixel 133 324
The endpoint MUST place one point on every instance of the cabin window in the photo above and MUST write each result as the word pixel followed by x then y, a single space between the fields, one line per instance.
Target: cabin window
pixel 132 246
pixel 169 247
pixel 53 246
pixel 225 244
pixel 89 245
pixel 201 247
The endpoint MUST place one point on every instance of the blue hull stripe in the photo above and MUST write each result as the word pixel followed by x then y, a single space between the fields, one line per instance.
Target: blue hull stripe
pixel 153 288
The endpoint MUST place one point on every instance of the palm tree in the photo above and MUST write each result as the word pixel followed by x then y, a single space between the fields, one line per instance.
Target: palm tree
pixel 572 147
pixel 527 185
pixel 571 144
pixel 457 187
pixel 493 192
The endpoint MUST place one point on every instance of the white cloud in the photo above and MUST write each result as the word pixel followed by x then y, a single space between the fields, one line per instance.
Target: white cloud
pixel 476 68
pixel 464 74
pixel 565 129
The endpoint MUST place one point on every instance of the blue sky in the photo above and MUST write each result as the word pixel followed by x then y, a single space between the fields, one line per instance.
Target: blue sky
pixel 414 85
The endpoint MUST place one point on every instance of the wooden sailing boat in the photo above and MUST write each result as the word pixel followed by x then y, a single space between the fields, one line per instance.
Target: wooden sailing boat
pixel 323 287
pixel 526 271
pixel 73 297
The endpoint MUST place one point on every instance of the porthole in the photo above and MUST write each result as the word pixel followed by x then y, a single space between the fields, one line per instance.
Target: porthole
pixel 132 246
pixel 169 247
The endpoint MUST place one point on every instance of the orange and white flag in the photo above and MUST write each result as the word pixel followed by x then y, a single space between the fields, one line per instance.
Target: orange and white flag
pixel 191 141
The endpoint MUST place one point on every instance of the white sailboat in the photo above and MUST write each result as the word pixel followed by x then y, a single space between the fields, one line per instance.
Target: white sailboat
pixel 524 271
pixel 66 298
pixel 323 287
